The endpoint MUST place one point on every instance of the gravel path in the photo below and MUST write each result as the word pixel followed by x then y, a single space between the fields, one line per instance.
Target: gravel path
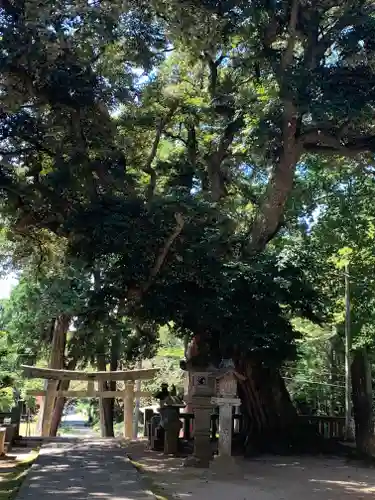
pixel 81 470
pixel 99 470
pixel 268 478
pixel 285 479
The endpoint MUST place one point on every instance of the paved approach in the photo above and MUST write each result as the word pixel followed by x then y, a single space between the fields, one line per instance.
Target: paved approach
pixel 81 470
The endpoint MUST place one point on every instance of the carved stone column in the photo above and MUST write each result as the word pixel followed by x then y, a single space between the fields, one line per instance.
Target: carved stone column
pixel 202 390
pixel 226 400
pixel 226 424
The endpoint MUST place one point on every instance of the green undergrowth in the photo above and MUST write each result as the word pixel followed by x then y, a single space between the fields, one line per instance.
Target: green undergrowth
pixel 10 482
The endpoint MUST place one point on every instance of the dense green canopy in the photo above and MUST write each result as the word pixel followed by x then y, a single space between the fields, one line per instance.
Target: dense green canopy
pixel 165 143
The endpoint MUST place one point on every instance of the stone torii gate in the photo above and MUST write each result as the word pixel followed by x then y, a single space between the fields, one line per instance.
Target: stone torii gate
pixel 52 392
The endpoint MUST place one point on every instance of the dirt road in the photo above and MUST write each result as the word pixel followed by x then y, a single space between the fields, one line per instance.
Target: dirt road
pixel 268 478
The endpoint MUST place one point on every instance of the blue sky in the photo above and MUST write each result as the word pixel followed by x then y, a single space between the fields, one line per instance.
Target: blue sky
pixel 6 285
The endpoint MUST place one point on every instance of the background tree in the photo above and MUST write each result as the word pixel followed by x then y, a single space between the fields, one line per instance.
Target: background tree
pixel 340 233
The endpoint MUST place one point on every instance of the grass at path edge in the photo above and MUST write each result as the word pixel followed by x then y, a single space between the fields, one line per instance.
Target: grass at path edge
pixel 10 482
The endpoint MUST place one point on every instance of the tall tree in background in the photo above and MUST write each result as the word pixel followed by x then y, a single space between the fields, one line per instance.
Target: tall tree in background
pixel 344 234
pixel 336 227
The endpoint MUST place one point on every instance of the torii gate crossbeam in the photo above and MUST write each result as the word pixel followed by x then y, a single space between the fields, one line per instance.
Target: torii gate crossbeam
pixel 54 376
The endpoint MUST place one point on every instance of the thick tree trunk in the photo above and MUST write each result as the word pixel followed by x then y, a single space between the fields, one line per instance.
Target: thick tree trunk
pixel 60 402
pixel 270 214
pixel 269 415
pixel 58 409
pixel 105 413
pixel 362 402
pixel 106 420
pixel 114 364
pixel 60 330
pixel 59 341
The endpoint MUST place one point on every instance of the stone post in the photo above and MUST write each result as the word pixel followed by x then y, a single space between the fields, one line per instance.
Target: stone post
pixel 226 399
pixel 226 424
pixel 187 427
pixel 128 409
pixel 16 416
pixel 202 390
pixel 148 414
pixel 156 437
pixel 90 388
pixel 237 426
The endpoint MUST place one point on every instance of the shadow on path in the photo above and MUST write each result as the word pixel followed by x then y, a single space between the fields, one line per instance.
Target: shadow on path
pixel 267 478
pixel 78 470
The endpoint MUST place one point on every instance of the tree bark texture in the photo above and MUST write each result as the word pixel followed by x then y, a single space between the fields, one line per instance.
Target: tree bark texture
pixel 269 414
pixel 106 417
pixel 59 408
pixel 362 402
pixel 57 357
pixel 60 402
pixel 269 218
pixel 114 364
pixel 59 341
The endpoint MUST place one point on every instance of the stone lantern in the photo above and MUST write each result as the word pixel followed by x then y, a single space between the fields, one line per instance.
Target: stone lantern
pixel 203 384
pixel 226 398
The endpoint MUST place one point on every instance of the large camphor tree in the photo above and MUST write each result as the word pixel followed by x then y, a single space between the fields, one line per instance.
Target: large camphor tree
pixel 236 98
pixel 268 87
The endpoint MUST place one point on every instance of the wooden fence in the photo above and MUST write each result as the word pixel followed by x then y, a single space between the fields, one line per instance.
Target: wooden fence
pixel 327 427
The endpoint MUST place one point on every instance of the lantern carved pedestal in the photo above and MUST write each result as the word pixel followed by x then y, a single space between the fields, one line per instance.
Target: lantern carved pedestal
pixel 202 390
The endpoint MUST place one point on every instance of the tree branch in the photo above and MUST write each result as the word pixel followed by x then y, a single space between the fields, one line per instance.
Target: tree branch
pixel 228 136
pixel 135 294
pixel 176 137
pixel 318 141
pixel 268 219
pixel 192 144
pixel 159 262
pixel 213 65
pixel 215 159
pixel 329 37
pixel 147 168
pixel 287 57
pixel 15 153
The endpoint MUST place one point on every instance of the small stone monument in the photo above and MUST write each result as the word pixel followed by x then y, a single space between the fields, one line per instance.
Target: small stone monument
pixel 170 405
pixel 226 399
